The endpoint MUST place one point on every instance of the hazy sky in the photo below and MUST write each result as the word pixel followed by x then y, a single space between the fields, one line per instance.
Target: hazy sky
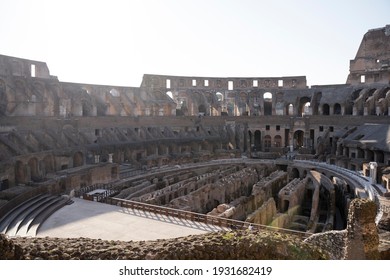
pixel 115 42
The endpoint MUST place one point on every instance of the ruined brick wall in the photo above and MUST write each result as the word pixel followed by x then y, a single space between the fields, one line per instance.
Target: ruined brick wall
pixel 234 245
pixel 359 241
pixel 362 234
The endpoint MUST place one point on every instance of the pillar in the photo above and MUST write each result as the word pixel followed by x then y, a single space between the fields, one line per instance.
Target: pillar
pixel 373 170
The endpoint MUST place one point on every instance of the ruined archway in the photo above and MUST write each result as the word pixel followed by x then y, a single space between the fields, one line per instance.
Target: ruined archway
pixel 48 162
pixel 298 138
pixel 290 110
pixel 278 141
pixel 325 109
pixel 202 109
pixel 267 97
pixel 267 142
pixel 78 159
pixel 34 171
pixel 304 106
pixel 295 173
pixel 337 109
pixel 257 140
pixel 20 173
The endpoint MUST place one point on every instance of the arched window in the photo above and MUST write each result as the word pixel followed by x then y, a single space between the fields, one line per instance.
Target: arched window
pixel 219 96
pixel 325 109
pixel 115 92
pixel 267 142
pixel 267 103
pixel 278 141
pixel 306 109
pixel 337 109
pixel 257 140
pixel 290 110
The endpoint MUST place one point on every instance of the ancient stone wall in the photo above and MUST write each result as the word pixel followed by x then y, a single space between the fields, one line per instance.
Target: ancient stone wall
pixel 225 190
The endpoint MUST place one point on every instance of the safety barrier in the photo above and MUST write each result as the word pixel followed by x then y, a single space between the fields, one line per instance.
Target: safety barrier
pixel 201 218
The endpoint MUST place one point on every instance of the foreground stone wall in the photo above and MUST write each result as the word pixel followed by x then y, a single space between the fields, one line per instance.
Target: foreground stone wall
pixel 359 241
pixel 232 245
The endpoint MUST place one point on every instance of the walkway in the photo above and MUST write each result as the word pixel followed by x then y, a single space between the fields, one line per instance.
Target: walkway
pixel 98 220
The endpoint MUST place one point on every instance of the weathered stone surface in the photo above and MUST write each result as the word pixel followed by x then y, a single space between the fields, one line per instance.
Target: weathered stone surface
pixel 362 234
pixel 224 245
pixel 9 250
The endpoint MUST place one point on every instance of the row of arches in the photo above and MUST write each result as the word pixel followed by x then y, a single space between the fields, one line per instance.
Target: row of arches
pixel 35 169
pixel 366 101
pixel 259 143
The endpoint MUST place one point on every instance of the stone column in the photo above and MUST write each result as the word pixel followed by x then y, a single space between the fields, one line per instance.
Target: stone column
pixel 362 234
pixel 110 158
pixel 97 158
pixel 373 169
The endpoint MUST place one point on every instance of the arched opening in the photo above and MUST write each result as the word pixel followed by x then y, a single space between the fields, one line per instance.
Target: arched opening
pixel 325 109
pixel 380 157
pixel 267 142
pixel 219 96
pixel 257 140
pixel 295 173
pixel 78 159
pixel 337 109
pixel 370 155
pixel 298 138
pixel 267 97
pixel 278 141
pixel 202 109
pixel 304 106
pixel 306 109
pixel 290 110
pixel 20 173
pixel 48 162
pixel 87 108
pixel 33 166
pixel 114 92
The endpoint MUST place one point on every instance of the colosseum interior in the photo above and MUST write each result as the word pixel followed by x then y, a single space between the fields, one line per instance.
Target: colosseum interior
pixel 269 152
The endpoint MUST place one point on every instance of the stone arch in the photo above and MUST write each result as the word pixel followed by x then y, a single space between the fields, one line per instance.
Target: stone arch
pixel 78 159
pixel 87 108
pixel 369 155
pixel 298 138
pixel 304 102
pixel 278 141
pixel 290 109
pixel 257 140
pixel 20 173
pixel 202 109
pixel 267 142
pixel 114 92
pixel 267 97
pixel 325 109
pixel 380 156
pixel 34 169
pixel 337 109
pixel 295 173
pixel 219 97
pixel 48 163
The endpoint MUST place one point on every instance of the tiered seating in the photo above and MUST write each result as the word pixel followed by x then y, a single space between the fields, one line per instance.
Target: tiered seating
pixel 25 219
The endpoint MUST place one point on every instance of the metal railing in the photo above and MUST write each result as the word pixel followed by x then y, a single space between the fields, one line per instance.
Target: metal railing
pixel 201 218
